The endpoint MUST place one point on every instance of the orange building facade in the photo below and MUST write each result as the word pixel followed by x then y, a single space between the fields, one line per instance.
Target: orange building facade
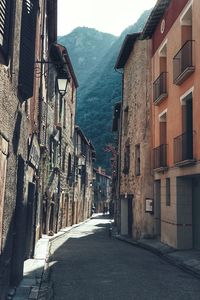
pixel 174 27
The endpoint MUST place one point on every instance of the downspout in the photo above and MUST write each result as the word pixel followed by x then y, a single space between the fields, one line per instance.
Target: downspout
pixel 40 185
pixel 119 157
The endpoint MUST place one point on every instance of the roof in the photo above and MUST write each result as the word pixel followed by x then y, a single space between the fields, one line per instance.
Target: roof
pixel 80 132
pixel 126 49
pixel 154 18
pixel 61 52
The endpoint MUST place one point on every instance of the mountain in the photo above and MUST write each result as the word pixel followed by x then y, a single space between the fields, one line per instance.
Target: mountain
pixel 86 47
pixel 93 56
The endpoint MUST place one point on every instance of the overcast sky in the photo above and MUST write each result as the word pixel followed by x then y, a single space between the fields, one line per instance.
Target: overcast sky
pixel 111 16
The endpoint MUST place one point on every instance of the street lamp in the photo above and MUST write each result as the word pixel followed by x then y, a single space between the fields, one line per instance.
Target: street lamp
pixel 62 81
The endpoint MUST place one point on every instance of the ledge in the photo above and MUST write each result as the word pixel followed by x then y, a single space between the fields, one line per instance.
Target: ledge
pixel 160 98
pixel 184 75
pixel 185 162
pixel 161 169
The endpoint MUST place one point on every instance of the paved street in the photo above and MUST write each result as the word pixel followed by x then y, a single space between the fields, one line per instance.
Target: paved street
pixel 86 264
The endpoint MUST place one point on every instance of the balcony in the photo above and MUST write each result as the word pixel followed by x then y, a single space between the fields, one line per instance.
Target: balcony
pixel 183 64
pixel 183 149
pixel 160 158
pixel 160 88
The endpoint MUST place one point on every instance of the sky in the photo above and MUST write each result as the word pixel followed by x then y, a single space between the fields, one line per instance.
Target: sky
pixel 111 16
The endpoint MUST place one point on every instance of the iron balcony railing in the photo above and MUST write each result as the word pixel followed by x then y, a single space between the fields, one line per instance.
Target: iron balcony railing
pixel 160 157
pixel 160 87
pixel 183 64
pixel 183 147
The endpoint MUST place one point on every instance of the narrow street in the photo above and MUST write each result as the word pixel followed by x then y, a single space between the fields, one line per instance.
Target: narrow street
pixel 87 264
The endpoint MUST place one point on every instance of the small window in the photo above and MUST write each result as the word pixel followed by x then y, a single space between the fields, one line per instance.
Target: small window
pixel 137 160
pixel 69 172
pixel 125 123
pixel 127 158
pixel 64 115
pixel 168 200
pixel 71 126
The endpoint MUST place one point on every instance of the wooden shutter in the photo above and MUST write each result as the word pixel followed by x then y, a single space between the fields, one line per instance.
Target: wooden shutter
pixel 5 23
pixel 27 49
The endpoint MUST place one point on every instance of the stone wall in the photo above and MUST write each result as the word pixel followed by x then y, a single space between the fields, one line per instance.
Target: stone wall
pixel 136 132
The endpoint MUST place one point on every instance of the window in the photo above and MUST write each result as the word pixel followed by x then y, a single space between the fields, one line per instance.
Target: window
pixel 3 168
pixel 183 143
pixel 64 115
pixel 72 92
pixel 126 120
pixel 183 61
pixel 63 159
pixel 5 29
pixel 160 84
pixel 69 172
pixel 137 160
pixel 127 158
pixel 168 199
pixel 27 49
pixel 71 126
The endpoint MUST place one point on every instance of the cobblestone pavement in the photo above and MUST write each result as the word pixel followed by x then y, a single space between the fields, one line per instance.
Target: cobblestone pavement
pixel 86 264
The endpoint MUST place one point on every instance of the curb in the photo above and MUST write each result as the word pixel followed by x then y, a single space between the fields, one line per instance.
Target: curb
pixel 164 255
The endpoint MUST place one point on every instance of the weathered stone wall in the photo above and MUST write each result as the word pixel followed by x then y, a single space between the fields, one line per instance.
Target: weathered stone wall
pixel 13 127
pixel 137 92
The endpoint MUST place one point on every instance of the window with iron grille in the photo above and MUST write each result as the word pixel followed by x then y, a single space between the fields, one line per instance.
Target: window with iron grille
pixel 5 30
pixel 27 49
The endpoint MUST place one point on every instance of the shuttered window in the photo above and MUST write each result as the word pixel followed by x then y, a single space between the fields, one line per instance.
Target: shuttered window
pixel 5 24
pixel 27 49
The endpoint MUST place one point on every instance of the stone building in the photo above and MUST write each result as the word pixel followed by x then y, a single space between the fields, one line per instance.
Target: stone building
pixel 115 164
pixel 102 191
pixel 173 28
pixel 136 180
pixel 24 38
pixel 60 121
pixel 17 57
pixel 84 177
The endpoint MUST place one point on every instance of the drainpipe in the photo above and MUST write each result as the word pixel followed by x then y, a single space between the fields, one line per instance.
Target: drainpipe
pixel 40 185
pixel 119 156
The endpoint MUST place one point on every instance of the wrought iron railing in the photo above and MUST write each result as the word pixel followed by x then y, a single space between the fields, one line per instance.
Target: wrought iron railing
pixel 183 147
pixel 160 157
pixel 183 60
pixel 160 87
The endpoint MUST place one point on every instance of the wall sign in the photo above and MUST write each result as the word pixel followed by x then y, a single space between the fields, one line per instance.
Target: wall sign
pixel 34 155
pixel 149 205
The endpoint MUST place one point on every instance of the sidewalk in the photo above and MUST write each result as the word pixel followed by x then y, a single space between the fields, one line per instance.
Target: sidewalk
pixel 188 260
pixel 36 269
